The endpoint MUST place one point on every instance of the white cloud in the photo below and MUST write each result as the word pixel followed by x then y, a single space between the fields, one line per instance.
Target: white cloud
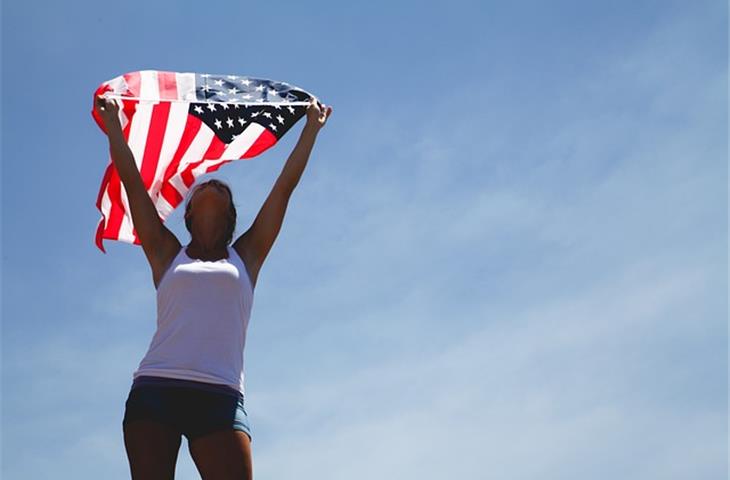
pixel 550 387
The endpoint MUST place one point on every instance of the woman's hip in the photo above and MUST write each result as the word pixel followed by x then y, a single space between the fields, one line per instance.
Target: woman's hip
pixel 192 411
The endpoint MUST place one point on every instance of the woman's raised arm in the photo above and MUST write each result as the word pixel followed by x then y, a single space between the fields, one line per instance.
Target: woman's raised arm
pixel 256 242
pixel 159 244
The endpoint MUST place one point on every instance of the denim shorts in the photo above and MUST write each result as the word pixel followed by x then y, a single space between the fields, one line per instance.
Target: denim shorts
pixel 192 408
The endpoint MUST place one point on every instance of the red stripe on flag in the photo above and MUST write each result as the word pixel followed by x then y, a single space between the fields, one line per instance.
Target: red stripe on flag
pixel 168 85
pixel 171 194
pixel 114 222
pixel 153 145
pixel 215 150
pixel 264 142
pixel 129 107
pixel 168 192
pixel 99 233
pixel 216 166
pixel 104 183
pixel 192 126
pixel 100 196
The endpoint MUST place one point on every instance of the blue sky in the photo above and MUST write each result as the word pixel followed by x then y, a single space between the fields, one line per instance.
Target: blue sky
pixel 507 257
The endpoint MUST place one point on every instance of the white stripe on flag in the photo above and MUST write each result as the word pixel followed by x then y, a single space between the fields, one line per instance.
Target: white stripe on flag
pixel 185 86
pixel 119 86
pixel 106 203
pixel 164 207
pixel 194 153
pixel 125 229
pixel 138 130
pixel 123 120
pixel 234 150
pixel 243 142
pixel 173 133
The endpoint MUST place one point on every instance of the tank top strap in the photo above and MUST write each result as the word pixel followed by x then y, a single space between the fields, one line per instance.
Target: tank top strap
pixel 234 257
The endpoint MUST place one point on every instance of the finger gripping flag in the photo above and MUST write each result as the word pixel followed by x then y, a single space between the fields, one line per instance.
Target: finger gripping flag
pixel 182 125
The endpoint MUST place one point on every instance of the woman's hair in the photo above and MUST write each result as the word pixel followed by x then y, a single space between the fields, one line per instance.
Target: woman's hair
pixel 231 211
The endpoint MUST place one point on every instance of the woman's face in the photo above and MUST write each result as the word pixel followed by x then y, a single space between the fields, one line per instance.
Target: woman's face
pixel 209 209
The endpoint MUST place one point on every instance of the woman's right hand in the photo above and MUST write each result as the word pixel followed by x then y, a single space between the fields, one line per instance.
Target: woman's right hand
pixel 108 110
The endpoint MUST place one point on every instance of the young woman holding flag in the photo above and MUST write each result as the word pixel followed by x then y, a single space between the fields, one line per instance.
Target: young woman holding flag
pixel 187 382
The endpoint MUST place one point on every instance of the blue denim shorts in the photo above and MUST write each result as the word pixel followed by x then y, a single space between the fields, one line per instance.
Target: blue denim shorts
pixel 192 408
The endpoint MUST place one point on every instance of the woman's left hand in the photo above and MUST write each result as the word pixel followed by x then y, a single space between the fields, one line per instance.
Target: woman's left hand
pixel 317 113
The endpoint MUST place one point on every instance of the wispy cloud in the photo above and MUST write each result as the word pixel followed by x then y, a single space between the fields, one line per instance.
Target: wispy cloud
pixel 556 388
pixel 519 329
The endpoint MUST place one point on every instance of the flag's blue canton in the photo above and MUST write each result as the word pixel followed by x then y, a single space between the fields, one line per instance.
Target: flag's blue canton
pixel 228 119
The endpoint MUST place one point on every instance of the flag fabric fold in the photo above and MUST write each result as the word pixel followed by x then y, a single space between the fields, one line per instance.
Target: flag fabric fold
pixel 182 125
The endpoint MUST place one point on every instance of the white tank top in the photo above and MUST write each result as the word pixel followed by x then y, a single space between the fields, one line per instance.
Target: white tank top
pixel 203 309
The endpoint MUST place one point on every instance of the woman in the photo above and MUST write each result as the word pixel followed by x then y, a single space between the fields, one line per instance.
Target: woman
pixel 190 382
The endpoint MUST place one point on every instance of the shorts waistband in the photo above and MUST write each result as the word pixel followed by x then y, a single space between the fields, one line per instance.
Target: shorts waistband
pixel 143 380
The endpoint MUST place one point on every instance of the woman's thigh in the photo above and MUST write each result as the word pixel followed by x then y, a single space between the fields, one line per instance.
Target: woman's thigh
pixel 224 454
pixel 152 448
pixel 151 438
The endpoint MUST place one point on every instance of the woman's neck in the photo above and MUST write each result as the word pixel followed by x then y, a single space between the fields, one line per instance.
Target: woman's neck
pixel 206 252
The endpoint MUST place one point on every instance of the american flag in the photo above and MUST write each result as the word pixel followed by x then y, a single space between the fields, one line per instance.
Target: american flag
pixel 182 125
